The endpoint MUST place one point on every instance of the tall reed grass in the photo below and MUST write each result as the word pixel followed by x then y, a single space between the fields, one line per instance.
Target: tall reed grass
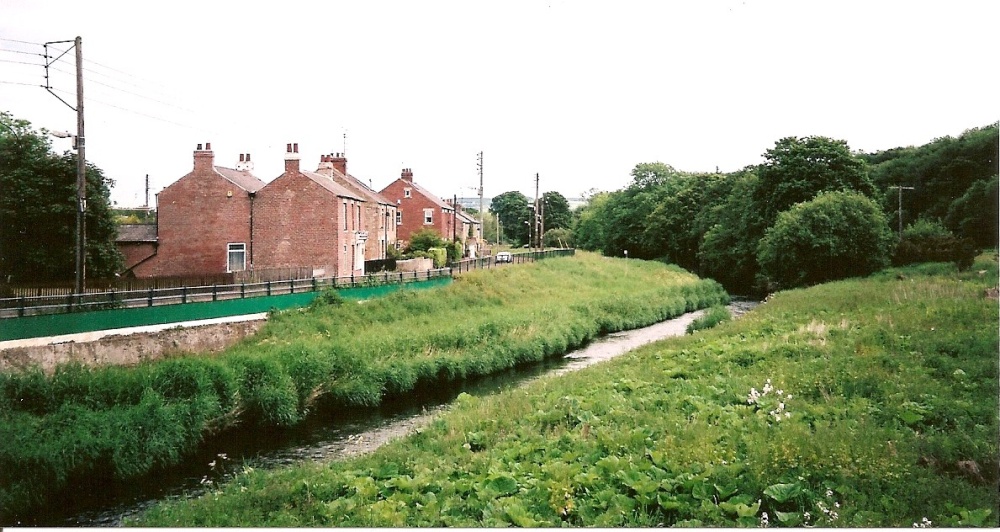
pixel 122 423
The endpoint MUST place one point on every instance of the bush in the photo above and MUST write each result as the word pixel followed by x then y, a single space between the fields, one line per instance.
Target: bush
pixel 558 238
pixel 711 318
pixel 930 241
pixel 835 236
pixel 424 240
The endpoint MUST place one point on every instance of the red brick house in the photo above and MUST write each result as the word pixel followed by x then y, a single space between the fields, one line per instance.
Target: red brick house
pixel 418 209
pixel 306 220
pixel 203 221
pixel 379 211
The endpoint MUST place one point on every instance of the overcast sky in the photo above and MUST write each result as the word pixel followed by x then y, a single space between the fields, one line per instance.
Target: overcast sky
pixel 579 92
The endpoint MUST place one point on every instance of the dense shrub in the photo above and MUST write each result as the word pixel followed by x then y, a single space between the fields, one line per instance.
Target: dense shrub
pixel 930 241
pixel 835 236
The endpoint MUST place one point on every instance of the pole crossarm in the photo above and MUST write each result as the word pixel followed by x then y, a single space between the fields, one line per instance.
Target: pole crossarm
pixel 49 61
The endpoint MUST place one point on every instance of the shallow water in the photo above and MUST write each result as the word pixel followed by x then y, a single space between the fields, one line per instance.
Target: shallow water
pixel 326 436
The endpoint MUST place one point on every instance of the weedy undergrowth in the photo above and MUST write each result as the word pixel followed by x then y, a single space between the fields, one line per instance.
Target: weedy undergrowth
pixel 841 405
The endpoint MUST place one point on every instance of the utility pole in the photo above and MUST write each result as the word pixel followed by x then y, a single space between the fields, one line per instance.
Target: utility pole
pixel 81 176
pixel 538 237
pixel 901 188
pixel 482 217
pixel 79 142
pixel 541 221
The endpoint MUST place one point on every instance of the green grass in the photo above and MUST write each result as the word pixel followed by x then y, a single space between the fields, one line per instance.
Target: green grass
pixel 709 319
pixel 861 403
pixel 123 423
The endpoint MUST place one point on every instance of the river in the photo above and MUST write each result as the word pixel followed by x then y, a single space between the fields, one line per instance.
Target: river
pixel 326 436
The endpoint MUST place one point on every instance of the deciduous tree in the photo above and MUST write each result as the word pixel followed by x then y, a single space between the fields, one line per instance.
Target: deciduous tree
pixel 797 169
pixel 38 210
pixel 512 208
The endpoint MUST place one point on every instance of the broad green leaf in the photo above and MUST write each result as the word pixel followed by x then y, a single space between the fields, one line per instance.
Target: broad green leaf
pixel 702 491
pixel 788 518
pixel 502 484
pixel 744 510
pixel 783 492
pixel 726 491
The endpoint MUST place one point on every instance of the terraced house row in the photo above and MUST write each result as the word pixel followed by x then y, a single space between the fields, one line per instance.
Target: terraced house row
pixel 322 223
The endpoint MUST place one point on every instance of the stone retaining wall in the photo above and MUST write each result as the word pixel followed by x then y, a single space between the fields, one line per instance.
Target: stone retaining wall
pixel 129 350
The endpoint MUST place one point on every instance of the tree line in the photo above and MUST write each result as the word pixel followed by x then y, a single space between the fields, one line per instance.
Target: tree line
pixel 813 211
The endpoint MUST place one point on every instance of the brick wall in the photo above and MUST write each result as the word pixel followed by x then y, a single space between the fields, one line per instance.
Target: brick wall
pixel 198 216
pixel 413 205
pixel 297 224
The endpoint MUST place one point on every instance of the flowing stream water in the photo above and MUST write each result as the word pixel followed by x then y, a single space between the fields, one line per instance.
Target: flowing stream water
pixel 325 436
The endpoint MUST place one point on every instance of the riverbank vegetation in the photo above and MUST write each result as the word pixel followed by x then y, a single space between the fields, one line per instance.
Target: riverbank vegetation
pixel 83 425
pixel 859 403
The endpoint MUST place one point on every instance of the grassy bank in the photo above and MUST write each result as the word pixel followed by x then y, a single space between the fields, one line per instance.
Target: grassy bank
pixel 123 423
pixel 858 403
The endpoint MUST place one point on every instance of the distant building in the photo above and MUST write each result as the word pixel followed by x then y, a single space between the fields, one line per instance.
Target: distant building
pixel 418 209
pixel 307 220
pixel 379 211
pixel 218 220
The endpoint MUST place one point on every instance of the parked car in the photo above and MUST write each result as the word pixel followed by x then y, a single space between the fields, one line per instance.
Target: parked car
pixel 504 256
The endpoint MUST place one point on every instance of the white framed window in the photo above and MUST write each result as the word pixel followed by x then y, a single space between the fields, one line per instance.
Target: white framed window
pixel 236 257
pixel 407 193
pixel 345 215
pixel 428 216
pixel 399 217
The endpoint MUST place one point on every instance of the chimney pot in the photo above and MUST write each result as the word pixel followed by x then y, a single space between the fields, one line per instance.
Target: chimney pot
pixel 199 147
pixel 241 157
pixel 208 146
pixel 295 147
pixel 288 148
pixel 248 157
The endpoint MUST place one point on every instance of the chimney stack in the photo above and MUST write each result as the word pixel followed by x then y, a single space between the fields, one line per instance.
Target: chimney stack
pixel 244 165
pixel 292 157
pixel 339 161
pixel 325 166
pixel 407 175
pixel 204 159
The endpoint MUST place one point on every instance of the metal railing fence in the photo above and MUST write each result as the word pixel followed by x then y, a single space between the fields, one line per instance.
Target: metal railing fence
pixel 14 307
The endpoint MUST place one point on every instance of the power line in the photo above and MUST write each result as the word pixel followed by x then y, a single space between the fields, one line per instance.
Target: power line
pixel 21 52
pixel 186 126
pixel 22 42
pixel 21 62
pixel 20 83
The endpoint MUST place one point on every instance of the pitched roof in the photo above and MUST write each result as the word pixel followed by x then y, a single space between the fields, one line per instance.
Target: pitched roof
pixel 360 187
pixel 241 178
pixel 136 233
pixel 434 199
pixel 331 185
pixel 466 218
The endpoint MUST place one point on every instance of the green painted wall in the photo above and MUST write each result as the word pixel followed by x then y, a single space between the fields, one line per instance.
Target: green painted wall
pixel 99 320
